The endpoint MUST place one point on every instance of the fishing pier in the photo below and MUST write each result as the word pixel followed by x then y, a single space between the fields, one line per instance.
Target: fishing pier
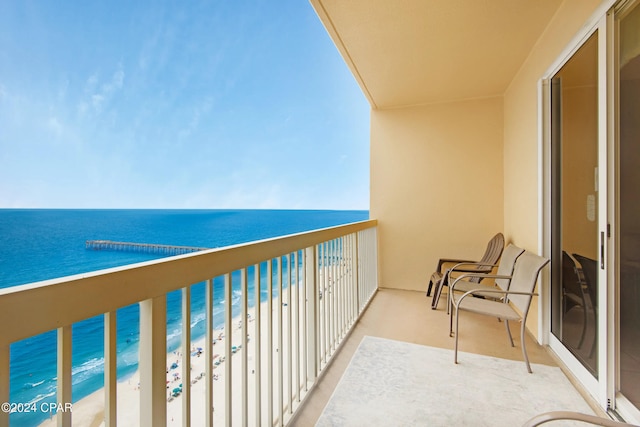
pixel 150 248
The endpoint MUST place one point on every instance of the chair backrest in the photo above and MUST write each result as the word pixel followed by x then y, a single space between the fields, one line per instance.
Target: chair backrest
pixel 507 262
pixel 491 254
pixel 525 275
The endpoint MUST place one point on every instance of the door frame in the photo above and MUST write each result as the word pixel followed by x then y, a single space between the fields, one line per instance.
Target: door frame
pixel 599 388
pixel 619 402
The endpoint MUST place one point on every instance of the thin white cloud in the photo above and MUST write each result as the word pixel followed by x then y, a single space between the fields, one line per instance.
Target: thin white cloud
pixel 100 94
pixel 96 101
pixel 55 126
pixel 198 112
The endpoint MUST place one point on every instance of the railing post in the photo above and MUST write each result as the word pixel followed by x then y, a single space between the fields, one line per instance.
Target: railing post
pixel 4 381
pixel 311 290
pixel 297 322
pixel 244 351
pixel 64 375
pixel 110 370
pixel 208 354
pixel 279 348
pixel 228 342
pixel 258 347
pixel 270 341
pixel 153 361
pixel 186 356
pixel 355 255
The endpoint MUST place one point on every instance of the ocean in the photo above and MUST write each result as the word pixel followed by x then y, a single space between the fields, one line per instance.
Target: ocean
pixel 41 244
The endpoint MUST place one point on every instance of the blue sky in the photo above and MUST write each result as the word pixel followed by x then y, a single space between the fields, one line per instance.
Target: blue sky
pixel 212 104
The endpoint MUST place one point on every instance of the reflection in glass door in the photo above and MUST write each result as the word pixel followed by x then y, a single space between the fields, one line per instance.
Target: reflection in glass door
pixel 629 206
pixel 574 204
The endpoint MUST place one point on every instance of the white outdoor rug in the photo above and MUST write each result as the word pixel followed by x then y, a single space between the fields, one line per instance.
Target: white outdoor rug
pixel 392 383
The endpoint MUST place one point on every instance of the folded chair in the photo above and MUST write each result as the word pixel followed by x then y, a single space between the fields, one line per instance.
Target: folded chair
pixel 514 306
pixel 489 259
pixel 502 280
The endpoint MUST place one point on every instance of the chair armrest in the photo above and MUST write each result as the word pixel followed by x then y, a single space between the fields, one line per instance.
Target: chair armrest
pixel 485 276
pixel 461 267
pixel 450 261
pixel 458 268
pixel 493 291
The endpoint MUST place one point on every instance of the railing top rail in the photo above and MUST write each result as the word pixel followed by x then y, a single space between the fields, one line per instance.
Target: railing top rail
pixel 31 309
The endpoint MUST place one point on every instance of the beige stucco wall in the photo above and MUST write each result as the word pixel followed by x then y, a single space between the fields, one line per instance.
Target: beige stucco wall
pixel 521 207
pixel 436 185
pixel 521 122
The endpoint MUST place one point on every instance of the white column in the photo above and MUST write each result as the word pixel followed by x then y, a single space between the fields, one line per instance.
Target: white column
pixel 228 361
pixel 208 354
pixel 64 374
pixel 311 318
pixel 110 370
pixel 153 362
pixel 257 346
pixel 186 356
pixel 244 352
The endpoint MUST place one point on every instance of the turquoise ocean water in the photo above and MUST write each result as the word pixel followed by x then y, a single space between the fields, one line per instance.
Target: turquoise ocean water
pixel 40 244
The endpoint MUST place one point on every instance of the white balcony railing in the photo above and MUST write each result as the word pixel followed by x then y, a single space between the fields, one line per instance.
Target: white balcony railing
pixel 317 285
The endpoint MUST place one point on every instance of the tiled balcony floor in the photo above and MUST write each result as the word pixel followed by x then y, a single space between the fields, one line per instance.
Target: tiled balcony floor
pixel 407 316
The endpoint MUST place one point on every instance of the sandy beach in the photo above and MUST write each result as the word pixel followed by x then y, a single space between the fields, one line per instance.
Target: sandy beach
pixel 89 411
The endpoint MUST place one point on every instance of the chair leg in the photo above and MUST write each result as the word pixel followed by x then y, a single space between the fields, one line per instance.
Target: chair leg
pixel 429 288
pixel 455 347
pixel 438 290
pixel 506 324
pixel 449 296
pixel 451 322
pixel 524 348
pixel 436 294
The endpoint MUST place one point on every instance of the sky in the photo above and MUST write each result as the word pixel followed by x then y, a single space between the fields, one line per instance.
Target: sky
pixel 187 105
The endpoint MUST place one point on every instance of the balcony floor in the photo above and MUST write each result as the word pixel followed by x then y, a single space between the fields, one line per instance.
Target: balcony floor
pixel 407 316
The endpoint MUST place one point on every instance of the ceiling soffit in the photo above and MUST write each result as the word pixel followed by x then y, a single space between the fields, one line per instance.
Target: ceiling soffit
pixel 413 52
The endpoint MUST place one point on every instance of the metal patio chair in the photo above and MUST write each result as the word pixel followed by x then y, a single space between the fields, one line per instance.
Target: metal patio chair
pixel 514 306
pixel 502 281
pixel 440 277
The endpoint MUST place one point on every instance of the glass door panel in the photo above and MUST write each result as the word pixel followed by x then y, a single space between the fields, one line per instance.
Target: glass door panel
pixel 629 206
pixel 574 195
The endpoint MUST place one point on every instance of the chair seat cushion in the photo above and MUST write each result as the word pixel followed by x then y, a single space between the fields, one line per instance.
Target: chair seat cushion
pixel 490 307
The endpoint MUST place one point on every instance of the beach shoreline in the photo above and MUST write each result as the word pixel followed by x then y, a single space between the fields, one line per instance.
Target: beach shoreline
pixel 89 411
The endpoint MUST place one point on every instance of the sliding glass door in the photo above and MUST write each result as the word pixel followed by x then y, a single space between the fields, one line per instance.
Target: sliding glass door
pixel 592 223
pixel 574 205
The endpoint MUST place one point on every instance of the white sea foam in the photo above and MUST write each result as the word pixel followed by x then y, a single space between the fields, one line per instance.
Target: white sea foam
pixel 197 319
pixel 87 369
pixel 40 397
pixel 32 385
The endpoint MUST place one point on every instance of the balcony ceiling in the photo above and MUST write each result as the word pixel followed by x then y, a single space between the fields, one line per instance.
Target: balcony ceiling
pixel 412 52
